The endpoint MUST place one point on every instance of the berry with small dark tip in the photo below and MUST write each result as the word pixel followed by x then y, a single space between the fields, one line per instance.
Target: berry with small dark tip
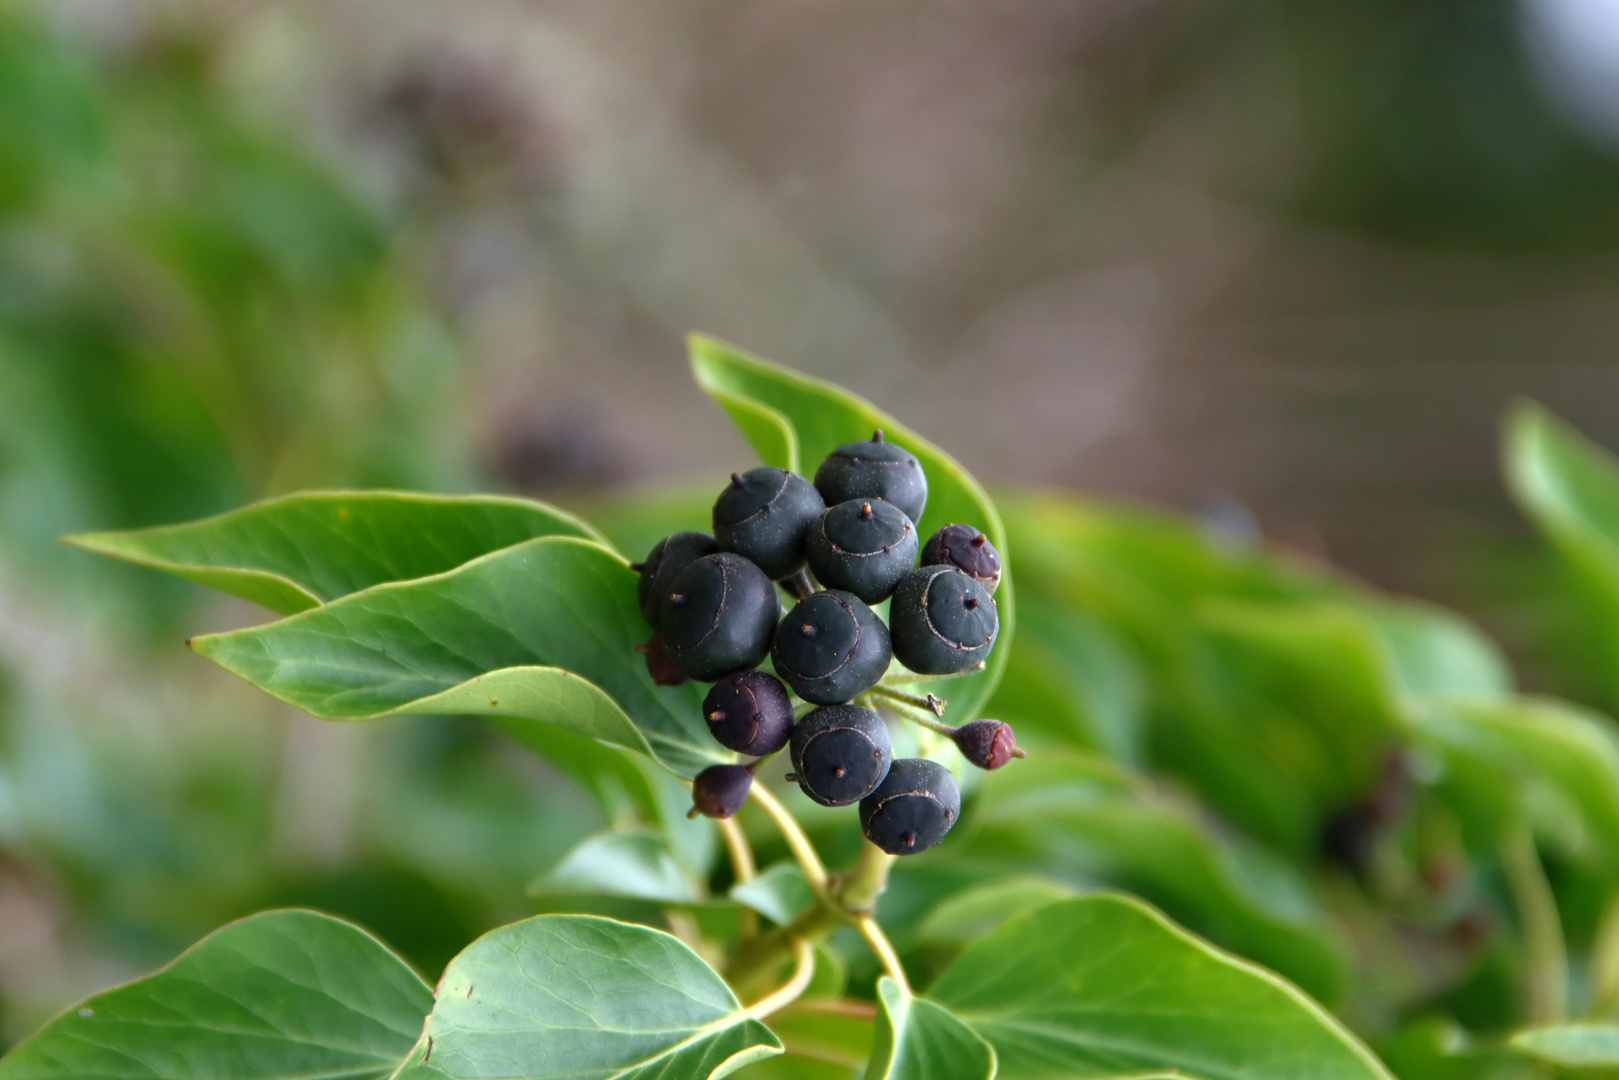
pixel 830 648
pixel 840 754
pixel 912 809
pixel 863 546
pixel 718 617
pixel 764 515
pixel 989 744
pixel 667 559
pixel 663 672
pixel 942 621
pixel 720 790
pixel 749 712
pixel 968 550
pixel 874 470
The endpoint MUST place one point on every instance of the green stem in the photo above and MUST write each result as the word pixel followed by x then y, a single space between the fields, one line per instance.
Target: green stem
pixel 910 678
pixel 803 972
pixel 1542 932
pixel 1605 962
pixel 930 703
pixel 909 712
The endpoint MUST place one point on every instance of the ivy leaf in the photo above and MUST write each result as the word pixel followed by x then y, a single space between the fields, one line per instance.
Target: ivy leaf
pixel 1103 985
pixel 778 893
pixel 637 865
pixel 1575 1047
pixel 541 632
pixel 920 1040
pixel 579 996
pixel 794 421
pixel 974 912
pixel 300 551
pixel 285 995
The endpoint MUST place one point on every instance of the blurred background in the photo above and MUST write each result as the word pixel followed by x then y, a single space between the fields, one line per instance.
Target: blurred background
pixel 1279 264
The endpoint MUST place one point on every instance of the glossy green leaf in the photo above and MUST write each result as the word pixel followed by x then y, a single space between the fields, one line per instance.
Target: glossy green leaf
pixel 541 632
pixel 974 912
pixel 794 421
pixel 300 551
pixel 1576 1047
pixel 824 1039
pixel 637 865
pixel 286 995
pixel 917 1039
pixel 1103 985
pixel 779 892
pixel 1084 816
pixel 576 996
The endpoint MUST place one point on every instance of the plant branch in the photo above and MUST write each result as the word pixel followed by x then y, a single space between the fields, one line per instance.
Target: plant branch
pixel 803 972
pixel 743 869
pixel 910 678
pixel 797 842
pixel 905 711
pixel 885 951
pixel 930 703
pixel 1542 932
pixel 1605 962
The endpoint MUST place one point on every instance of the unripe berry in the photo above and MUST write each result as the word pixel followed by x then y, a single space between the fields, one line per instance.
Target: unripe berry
pixel 968 550
pixel 840 754
pixel 764 515
pixel 989 744
pixel 863 546
pixel 667 559
pixel 720 790
pixel 749 712
pixel 942 621
pixel 718 617
pixel 830 648
pixel 912 808
pixel 874 470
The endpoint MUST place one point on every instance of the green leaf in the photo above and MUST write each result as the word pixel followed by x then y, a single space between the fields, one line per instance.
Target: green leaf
pixel 286 995
pixel 794 421
pixel 300 551
pixel 778 893
pixel 974 912
pixel 1086 816
pixel 1575 1047
pixel 825 1040
pixel 919 1040
pixel 1437 654
pixel 1103 985
pixel 637 865
pixel 541 632
pixel 579 996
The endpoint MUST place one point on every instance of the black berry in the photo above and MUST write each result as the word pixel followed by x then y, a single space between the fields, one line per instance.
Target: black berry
pixel 968 550
pixel 863 546
pixel 912 808
pixel 663 672
pixel 720 790
pixel 749 712
pixel 874 470
pixel 668 558
pixel 718 617
pixel 989 744
pixel 840 754
pixel 763 515
pixel 942 620
pixel 831 647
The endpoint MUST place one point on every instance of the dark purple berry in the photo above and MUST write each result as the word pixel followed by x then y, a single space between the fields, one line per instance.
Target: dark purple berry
pixel 942 621
pixel 840 754
pixel 863 546
pixel 874 470
pixel 968 550
pixel 989 744
pixel 668 558
pixel 912 809
pixel 718 617
pixel 749 712
pixel 764 515
pixel 830 648
pixel 720 790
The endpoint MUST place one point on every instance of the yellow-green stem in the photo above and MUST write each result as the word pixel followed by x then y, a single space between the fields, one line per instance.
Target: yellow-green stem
pixel 743 869
pixel 1544 950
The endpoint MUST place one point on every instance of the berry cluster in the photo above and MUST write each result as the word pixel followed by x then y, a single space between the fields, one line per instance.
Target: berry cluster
pixel 713 603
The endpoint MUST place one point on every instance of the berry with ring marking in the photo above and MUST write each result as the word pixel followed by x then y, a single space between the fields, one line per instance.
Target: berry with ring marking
pixel 968 550
pixel 830 648
pixel 863 546
pixel 720 790
pixel 764 515
pixel 875 469
pixel 749 712
pixel 840 754
pixel 912 809
pixel 989 744
pixel 668 558
pixel 942 621
pixel 718 617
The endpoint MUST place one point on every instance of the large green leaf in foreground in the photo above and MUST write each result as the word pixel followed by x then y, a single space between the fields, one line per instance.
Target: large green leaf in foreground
pixel 1103 985
pixel 297 552
pixel 919 1040
pixel 576 997
pixel 794 421
pixel 544 631
pixel 287 995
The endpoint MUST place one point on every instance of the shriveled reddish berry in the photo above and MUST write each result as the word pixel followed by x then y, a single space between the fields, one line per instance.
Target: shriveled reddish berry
pixel 659 666
pixel 989 744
